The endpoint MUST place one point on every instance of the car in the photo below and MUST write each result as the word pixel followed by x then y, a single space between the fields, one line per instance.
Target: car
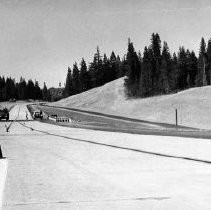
pixel 4 114
pixel 38 114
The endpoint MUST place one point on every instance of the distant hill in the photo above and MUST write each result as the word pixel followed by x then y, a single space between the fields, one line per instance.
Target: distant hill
pixel 194 105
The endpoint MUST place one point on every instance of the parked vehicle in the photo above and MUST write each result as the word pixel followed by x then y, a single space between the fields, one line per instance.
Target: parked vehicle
pixel 38 115
pixel 4 114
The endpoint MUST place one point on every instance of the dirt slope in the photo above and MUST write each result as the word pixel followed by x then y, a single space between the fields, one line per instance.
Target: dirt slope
pixel 194 105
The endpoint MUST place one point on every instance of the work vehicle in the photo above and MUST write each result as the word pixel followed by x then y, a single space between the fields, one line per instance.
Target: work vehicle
pixel 37 115
pixel 4 114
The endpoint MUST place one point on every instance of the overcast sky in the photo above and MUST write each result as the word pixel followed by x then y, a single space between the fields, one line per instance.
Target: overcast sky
pixel 39 39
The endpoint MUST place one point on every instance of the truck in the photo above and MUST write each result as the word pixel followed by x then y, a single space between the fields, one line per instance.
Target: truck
pixel 4 114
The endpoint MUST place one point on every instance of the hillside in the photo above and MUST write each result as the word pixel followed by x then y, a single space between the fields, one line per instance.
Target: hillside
pixel 194 105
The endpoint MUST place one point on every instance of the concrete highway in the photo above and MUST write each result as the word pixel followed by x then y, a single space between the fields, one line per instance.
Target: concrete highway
pixel 54 167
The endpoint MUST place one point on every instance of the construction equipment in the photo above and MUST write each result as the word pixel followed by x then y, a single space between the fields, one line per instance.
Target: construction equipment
pixel 38 115
pixel 4 114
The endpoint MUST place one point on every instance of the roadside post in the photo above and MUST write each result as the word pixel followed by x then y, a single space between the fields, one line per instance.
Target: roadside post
pixel 1 155
pixel 176 117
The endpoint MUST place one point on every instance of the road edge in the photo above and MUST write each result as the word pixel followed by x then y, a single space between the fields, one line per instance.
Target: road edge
pixel 3 174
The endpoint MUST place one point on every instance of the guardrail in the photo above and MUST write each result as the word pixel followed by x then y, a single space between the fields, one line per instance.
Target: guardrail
pixel 60 119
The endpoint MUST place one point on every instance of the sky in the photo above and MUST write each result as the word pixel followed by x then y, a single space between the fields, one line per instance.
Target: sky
pixel 40 39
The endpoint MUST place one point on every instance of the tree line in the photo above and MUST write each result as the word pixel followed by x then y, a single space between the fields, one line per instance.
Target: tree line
pixel 155 72
pixel 22 90
pixel 158 72
pixel 100 71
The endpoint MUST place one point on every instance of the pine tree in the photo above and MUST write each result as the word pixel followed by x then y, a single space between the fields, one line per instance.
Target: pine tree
pixel 106 69
pixel 38 91
pixel 92 73
pixel 208 68
pixel 30 90
pixel 201 77
pixel 99 68
pixel 96 70
pixel 84 76
pixel 123 66
pixel 165 69
pixel 192 63
pixel 2 89
pixel 156 61
pixel 21 89
pixel 45 92
pixel 10 88
pixel 182 69
pixel 119 72
pixel 113 66
pixel 68 91
pixel 146 74
pixel 134 72
pixel 173 74
pixel 76 80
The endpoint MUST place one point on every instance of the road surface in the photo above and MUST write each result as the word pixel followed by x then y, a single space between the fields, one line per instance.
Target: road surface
pixel 53 167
